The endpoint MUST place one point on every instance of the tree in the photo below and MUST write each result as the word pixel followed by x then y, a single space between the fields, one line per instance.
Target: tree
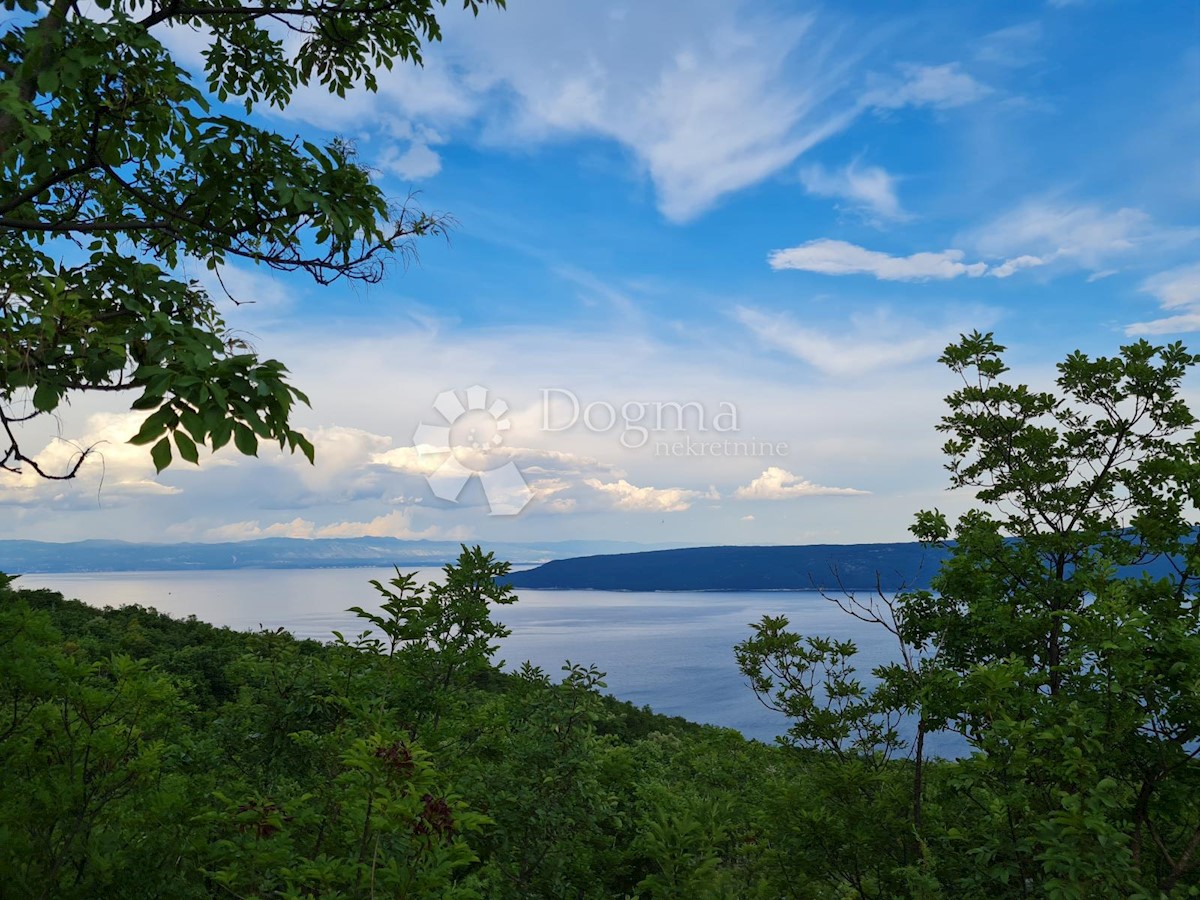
pixel 117 173
pixel 1061 637
pixel 443 632
pixel 1066 616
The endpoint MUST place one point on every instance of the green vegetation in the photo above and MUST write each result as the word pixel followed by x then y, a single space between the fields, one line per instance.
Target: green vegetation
pixel 118 175
pixel 149 757
pixel 1077 690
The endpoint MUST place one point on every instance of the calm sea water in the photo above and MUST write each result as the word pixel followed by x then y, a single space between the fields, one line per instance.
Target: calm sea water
pixel 671 651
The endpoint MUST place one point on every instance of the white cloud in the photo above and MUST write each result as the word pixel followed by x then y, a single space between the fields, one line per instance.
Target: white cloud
pixel 941 87
pixel 1013 46
pixel 248 295
pixel 630 497
pixel 845 426
pixel 425 459
pixel 706 111
pixel 1167 325
pixel 871 189
pixel 867 343
pixel 702 92
pixel 1033 235
pixel 779 484
pixel 340 471
pixel 186 43
pixel 113 472
pixel 395 524
pixel 418 162
pixel 708 96
pixel 1014 265
pixel 1086 236
pixel 830 257
pixel 421 460
pixel 252 530
pixel 1176 289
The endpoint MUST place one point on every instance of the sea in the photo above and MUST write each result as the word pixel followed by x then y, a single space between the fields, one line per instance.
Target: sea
pixel 671 651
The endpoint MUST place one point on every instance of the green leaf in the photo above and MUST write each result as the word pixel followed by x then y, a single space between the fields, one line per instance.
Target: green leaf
pixel 194 423
pixel 155 424
pixel 245 440
pixel 45 397
pixel 187 448
pixel 220 433
pixel 160 453
pixel 305 446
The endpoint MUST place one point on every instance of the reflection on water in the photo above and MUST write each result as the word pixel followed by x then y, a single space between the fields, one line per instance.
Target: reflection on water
pixel 671 651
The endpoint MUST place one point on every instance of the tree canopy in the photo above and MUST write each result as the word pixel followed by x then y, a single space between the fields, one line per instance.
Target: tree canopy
pixel 1071 678
pixel 120 177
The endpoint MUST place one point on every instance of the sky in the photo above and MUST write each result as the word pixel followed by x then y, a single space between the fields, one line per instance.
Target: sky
pixel 706 256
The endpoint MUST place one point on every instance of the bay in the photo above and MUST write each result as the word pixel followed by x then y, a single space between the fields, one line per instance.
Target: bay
pixel 670 651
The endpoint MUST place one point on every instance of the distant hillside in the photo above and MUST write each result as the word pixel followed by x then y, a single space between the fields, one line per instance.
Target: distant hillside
pixel 853 566
pixel 17 557
pixel 858 567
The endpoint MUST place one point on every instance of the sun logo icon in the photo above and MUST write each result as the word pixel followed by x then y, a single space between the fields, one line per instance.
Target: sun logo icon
pixel 472 432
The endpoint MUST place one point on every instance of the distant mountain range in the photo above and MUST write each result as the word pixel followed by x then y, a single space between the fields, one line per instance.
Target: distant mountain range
pixel 857 567
pixel 18 557
pixel 559 565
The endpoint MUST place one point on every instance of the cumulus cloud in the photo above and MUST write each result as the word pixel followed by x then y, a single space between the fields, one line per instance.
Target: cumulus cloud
pixel 830 257
pixel 870 190
pixel 424 459
pixel 352 378
pixel 395 524
pixel 626 496
pixel 1176 290
pixel 417 162
pixel 419 460
pixel 113 472
pixel 780 484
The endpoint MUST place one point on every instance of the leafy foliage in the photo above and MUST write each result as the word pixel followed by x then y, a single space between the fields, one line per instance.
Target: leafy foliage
pixel 118 173
pixel 1075 687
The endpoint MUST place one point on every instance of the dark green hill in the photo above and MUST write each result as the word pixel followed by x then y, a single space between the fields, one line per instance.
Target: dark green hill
pixel 852 566
pixel 856 567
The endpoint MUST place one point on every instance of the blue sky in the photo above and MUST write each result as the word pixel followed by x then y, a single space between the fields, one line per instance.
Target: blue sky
pixel 782 209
